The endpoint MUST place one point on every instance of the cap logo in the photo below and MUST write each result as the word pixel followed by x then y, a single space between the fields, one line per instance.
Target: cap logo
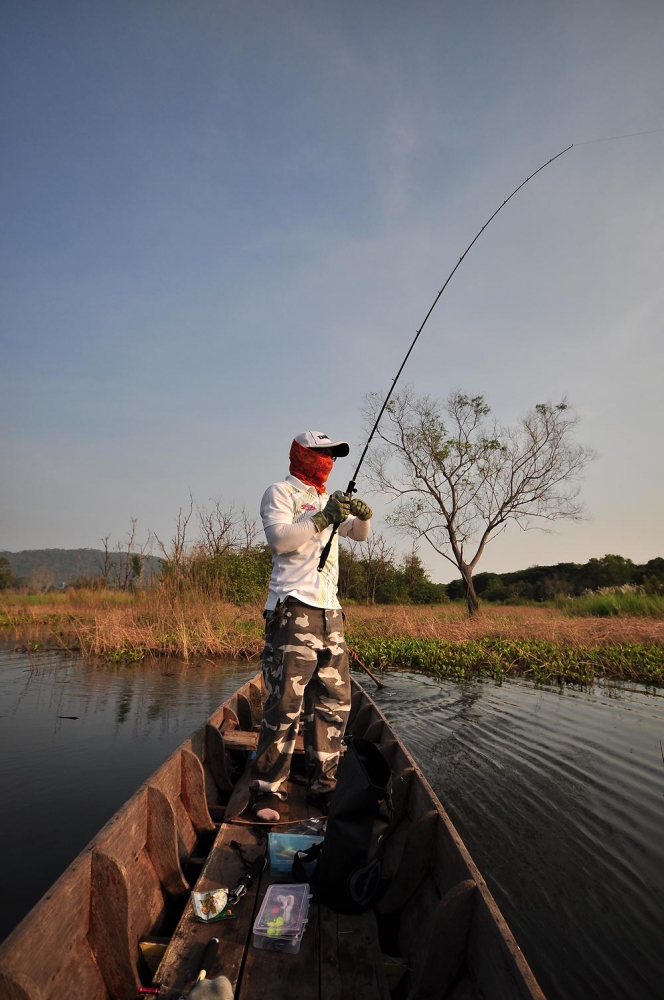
pixel 323 437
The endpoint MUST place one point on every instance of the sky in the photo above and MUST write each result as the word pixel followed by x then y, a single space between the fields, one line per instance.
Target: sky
pixel 223 222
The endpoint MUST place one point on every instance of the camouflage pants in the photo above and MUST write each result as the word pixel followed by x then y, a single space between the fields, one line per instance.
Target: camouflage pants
pixel 305 666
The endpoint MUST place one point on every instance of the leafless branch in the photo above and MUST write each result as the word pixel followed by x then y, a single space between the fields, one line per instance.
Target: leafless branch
pixel 458 477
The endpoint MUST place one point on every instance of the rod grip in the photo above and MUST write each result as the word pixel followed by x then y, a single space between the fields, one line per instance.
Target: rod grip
pixel 209 956
pixel 326 551
pixel 350 489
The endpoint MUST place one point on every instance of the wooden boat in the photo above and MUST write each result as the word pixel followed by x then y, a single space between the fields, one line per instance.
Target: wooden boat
pixel 121 916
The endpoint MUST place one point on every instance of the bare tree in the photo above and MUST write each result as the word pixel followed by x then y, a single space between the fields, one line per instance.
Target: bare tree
pixel 219 529
pixel 124 564
pixel 459 478
pixel 175 554
pixel 377 557
pixel 107 561
pixel 249 530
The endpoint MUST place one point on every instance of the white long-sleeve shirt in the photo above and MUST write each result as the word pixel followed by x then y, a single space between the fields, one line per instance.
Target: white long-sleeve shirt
pixel 296 544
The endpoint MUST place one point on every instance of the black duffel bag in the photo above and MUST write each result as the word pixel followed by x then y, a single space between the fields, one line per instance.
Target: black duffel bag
pixel 348 873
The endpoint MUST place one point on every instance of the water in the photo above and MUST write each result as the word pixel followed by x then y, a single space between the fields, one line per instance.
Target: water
pixel 62 778
pixel 558 796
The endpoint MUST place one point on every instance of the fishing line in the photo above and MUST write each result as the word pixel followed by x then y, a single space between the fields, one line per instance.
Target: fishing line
pixel 350 489
pixel 627 135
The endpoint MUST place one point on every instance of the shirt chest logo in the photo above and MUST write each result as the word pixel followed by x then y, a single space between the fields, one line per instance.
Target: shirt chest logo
pixel 308 506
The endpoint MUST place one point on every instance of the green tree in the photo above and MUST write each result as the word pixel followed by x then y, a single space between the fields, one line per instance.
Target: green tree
pixel 609 571
pixel 7 578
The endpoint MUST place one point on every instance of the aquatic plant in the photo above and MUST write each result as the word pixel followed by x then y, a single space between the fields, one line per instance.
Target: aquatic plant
pixel 541 660
pixel 541 643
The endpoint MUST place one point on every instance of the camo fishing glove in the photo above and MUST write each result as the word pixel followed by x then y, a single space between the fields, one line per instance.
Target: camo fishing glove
pixel 361 510
pixel 336 510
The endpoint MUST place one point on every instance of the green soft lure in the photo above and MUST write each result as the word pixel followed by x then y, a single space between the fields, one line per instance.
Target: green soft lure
pixel 274 927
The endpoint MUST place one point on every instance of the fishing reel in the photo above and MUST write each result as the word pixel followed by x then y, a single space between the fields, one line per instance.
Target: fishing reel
pixel 350 489
pixel 338 495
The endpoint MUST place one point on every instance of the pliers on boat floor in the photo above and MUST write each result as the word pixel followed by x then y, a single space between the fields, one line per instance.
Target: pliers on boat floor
pixel 254 868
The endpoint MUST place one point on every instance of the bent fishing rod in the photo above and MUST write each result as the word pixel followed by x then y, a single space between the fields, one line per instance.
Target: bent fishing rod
pixel 350 489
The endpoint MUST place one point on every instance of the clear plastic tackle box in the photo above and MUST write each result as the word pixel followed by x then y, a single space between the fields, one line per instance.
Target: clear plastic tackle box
pixel 282 918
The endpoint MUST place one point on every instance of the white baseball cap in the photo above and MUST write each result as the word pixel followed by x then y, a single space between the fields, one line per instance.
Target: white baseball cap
pixel 316 439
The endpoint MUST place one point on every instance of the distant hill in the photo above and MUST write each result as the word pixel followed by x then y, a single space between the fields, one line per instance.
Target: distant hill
pixel 43 568
pixel 58 566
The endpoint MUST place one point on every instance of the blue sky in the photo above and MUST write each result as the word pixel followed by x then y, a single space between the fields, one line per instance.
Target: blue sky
pixel 224 221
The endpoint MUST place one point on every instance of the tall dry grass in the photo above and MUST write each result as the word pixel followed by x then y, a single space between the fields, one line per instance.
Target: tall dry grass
pixel 540 643
pixel 451 622
pixel 155 622
pixel 188 624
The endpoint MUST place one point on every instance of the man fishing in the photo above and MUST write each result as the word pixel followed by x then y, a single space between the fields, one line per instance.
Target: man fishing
pixel 305 660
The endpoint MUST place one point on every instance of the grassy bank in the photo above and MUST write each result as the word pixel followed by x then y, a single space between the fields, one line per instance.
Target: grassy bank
pixel 537 642
pixel 542 643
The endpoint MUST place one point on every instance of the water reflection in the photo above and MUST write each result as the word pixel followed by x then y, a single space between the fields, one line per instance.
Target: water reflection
pixel 76 740
pixel 559 796
pixel 67 688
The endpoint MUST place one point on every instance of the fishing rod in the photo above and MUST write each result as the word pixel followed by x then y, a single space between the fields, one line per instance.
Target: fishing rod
pixel 350 489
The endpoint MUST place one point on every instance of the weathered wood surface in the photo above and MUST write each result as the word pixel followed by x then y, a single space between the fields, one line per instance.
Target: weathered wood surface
pixel 17 986
pixel 413 865
pixel 465 989
pixel 239 799
pixel 111 932
pixel 193 791
pixel 351 963
pixel 90 924
pixel 56 929
pixel 448 942
pixel 239 739
pixel 401 782
pixel 495 957
pixel 361 720
pixel 57 933
pixel 162 843
pixel 493 953
pixel 273 975
pixel 223 868
pixel 216 761
pixel 246 709
pixel 339 957
pixel 168 779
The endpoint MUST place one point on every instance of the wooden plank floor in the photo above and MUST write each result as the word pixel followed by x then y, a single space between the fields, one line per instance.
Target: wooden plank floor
pixel 240 739
pixel 339 958
pixel 180 964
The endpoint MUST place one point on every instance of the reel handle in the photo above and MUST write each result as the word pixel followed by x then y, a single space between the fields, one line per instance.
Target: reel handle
pixel 350 489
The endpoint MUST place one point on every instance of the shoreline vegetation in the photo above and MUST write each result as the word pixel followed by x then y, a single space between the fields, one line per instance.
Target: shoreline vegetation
pixel 573 641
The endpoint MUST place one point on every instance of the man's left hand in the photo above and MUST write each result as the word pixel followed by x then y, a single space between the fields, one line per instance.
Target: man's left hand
pixel 361 510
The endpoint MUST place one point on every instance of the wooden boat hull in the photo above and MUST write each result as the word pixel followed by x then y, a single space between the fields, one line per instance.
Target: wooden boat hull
pixel 131 885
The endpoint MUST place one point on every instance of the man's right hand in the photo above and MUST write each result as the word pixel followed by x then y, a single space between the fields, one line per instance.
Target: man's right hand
pixel 336 510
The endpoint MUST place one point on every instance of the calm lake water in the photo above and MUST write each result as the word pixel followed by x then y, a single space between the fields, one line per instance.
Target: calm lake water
pixel 559 796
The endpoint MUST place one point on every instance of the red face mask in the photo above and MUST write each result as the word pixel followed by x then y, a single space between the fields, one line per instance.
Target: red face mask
pixel 310 466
